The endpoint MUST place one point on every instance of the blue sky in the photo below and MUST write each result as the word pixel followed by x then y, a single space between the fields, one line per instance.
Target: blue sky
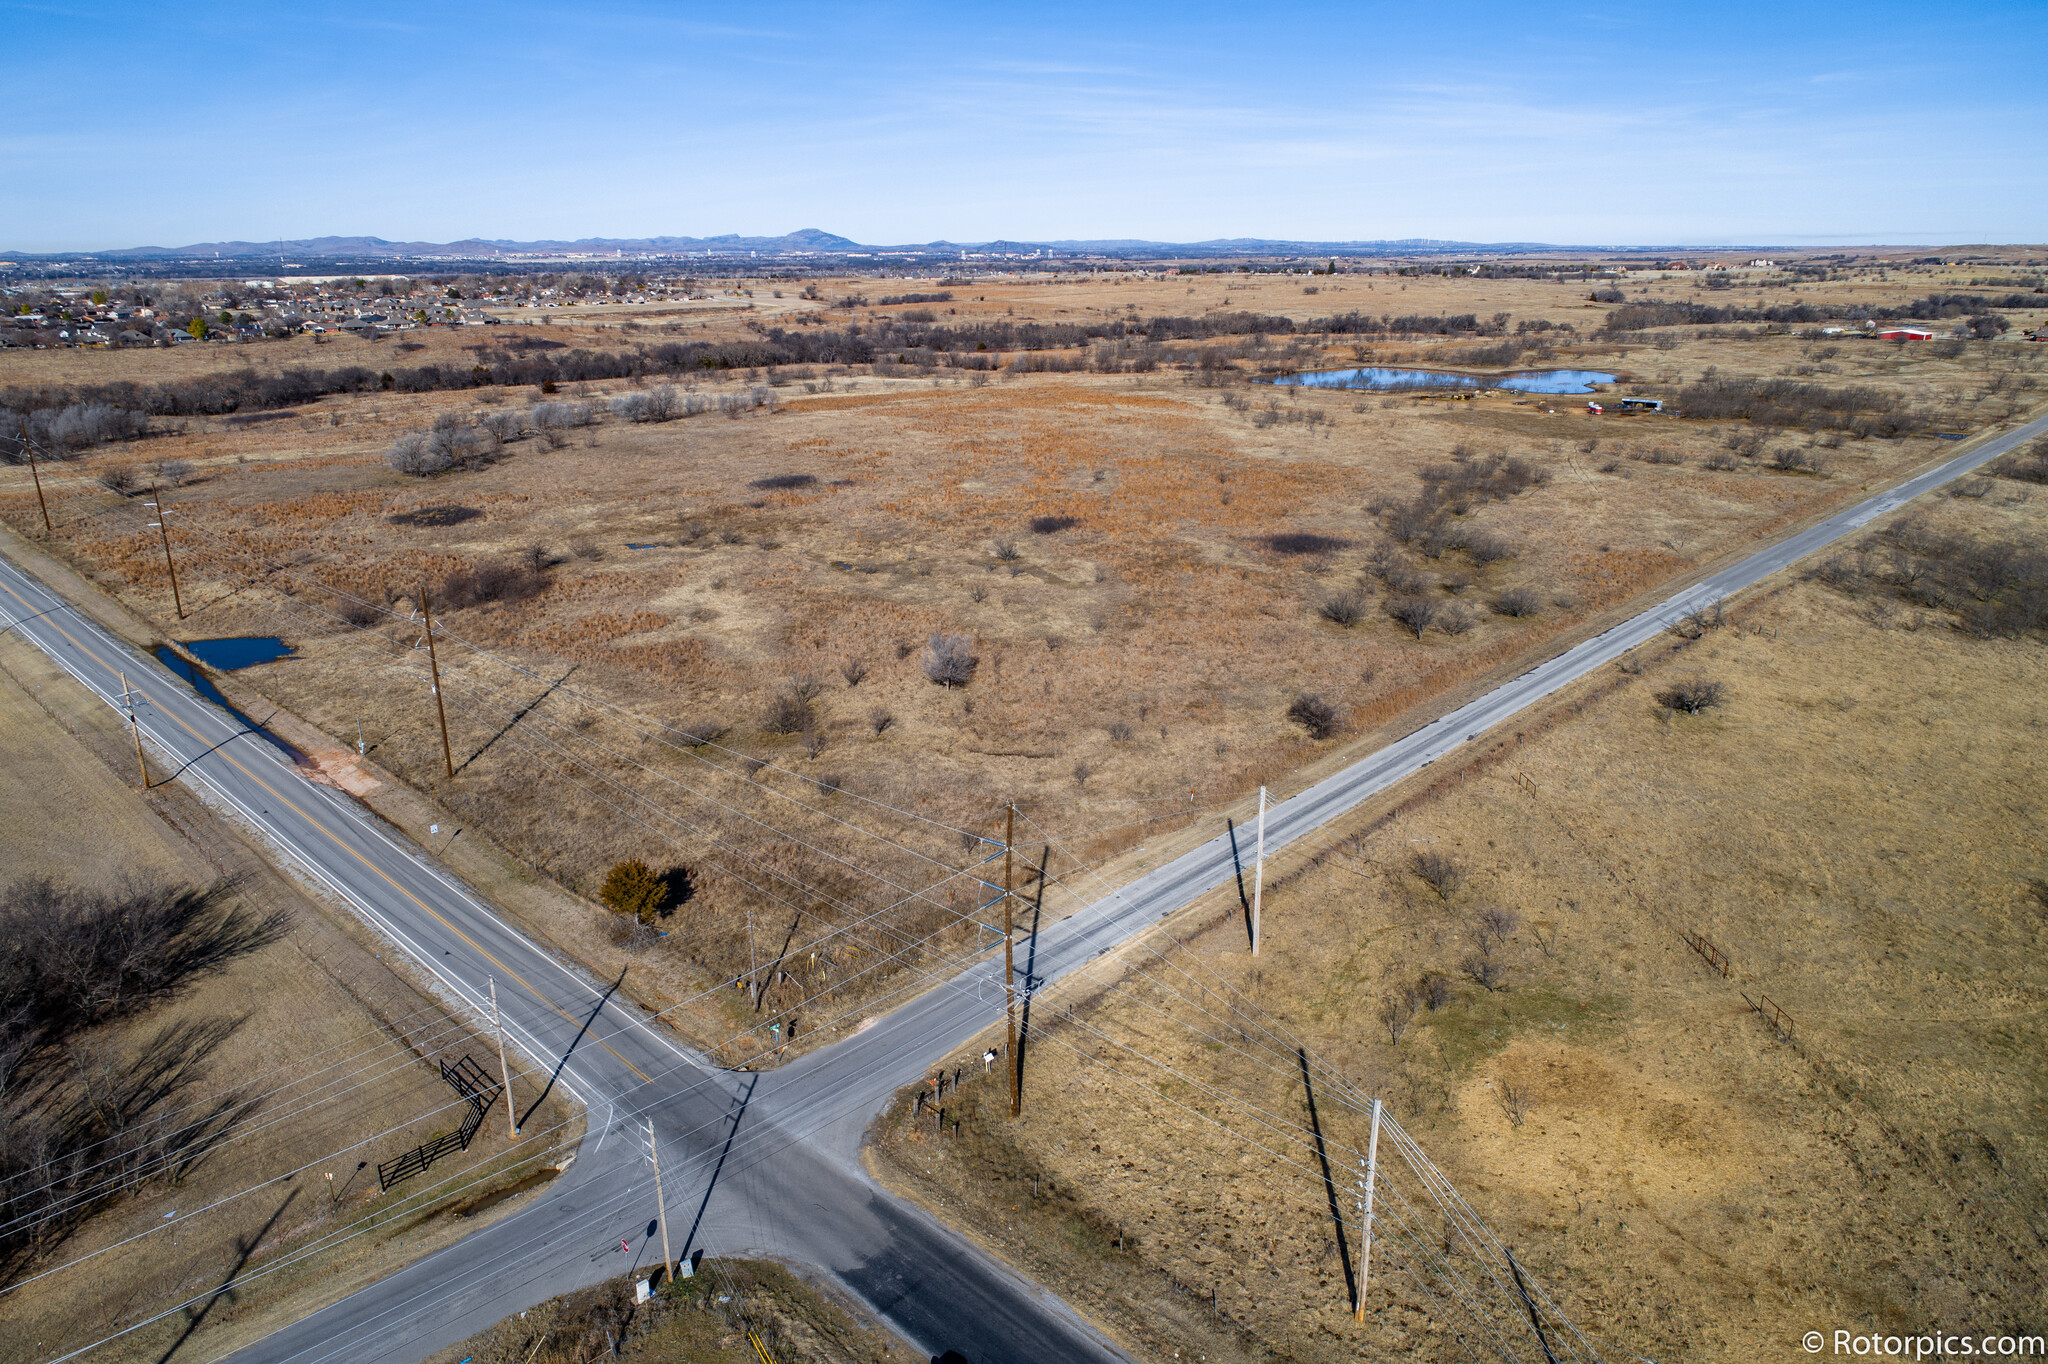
pixel 133 124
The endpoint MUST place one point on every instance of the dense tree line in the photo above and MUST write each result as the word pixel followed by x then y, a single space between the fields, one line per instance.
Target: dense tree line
pixel 537 363
pixel 1857 410
pixel 1633 317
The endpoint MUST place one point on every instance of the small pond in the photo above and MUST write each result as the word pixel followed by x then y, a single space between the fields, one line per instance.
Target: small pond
pixel 207 691
pixel 245 651
pixel 1378 378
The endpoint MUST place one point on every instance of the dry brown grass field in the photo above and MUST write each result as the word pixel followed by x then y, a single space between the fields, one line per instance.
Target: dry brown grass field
pixel 336 1051
pixel 695 571
pixel 1858 829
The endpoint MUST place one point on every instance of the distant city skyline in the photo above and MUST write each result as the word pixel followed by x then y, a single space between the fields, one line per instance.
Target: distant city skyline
pixel 1792 126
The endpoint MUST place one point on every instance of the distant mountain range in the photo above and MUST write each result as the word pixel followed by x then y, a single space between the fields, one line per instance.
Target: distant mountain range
pixel 808 242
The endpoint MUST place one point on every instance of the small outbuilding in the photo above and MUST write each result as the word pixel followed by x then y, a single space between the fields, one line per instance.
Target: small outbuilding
pixel 1905 334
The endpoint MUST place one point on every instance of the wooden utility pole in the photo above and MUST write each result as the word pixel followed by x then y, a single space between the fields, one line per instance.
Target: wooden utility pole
pixel 504 1071
pixel 660 1204
pixel 128 700
pixel 1010 968
pixel 1259 871
pixel 434 666
pixel 753 965
pixel 156 500
pixel 30 451
pixel 1372 1170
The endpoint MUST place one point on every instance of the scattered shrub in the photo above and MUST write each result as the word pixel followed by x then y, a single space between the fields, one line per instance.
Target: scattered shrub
pixel 1048 525
pixel 487 583
pixel 787 713
pixel 1313 714
pixel 1518 602
pixel 950 660
pixel 357 613
pixel 1692 695
pixel 879 720
pixel 1486 547
pixel 780 482
pixel 2024 466
pixel 700 731
pixel 1345 608
pixel 853 670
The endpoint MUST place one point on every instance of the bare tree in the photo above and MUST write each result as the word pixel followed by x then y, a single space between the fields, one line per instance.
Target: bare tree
pixel 1439 872
pixel 1514 1100
pixel 1345 608
pixel 1313 714
pixel 788 713
pixel 1397 1011
pixel 1483 969
pixel 1518 602
pixel 1417 613
pixel 1493 923
pixel 1692 695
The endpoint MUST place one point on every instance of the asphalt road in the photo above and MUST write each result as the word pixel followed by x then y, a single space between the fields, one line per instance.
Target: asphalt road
pixel 752 1164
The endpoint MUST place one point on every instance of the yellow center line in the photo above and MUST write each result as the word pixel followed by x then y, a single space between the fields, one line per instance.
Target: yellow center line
pixel 344 846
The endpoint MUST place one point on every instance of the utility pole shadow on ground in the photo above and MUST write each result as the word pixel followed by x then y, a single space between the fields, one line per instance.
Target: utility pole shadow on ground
pixel 1315 1124
pixel 244 1248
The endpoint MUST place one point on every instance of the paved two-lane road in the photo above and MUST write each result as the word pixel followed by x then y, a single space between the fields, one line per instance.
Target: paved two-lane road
pixel 763 1164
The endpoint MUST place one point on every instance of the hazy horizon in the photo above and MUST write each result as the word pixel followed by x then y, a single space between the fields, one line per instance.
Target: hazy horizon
pixel 1811 126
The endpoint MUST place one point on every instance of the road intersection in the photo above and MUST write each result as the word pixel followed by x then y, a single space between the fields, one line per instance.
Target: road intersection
pixel 756 1164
